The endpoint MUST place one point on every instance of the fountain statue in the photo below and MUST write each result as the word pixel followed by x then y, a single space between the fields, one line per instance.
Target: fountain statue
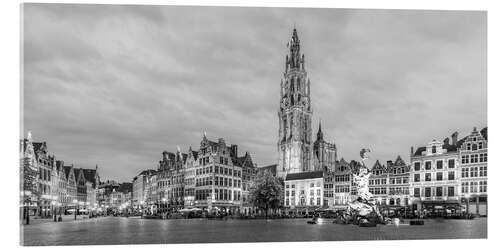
pixel 363 211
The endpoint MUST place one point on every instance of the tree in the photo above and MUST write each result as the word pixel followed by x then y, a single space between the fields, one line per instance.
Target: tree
pixel 266 192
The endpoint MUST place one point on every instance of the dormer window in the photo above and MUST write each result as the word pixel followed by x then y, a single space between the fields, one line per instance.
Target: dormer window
pixel 433 149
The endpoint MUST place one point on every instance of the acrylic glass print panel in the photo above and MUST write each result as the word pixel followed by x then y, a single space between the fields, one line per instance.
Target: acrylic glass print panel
pixel 175 124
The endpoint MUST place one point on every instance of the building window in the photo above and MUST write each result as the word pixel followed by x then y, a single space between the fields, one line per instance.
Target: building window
pixel 483 171
pixel 480 145
pixel 451 163
pixel 427 192
pixel 481 158
pixel 439 191
pixel 428 165
pixel 439 164
pixel 465 172
pixel 451 191
pixel 451 175
pixel 473 172
pixel 465 187
pixel 439 176
pixel 428 177
pixel 474 158
pixel 473 187
pixel 416 192
pixel 433 149
pixel 318 201
pixel 482 186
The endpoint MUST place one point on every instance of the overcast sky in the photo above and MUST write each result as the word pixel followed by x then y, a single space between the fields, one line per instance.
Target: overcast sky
pixel 117 85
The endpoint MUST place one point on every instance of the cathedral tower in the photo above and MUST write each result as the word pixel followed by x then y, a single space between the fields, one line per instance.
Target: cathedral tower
pixel 295 114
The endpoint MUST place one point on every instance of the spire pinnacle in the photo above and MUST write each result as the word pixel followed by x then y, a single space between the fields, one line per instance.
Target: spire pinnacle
pixel 294 60
pixel 319 136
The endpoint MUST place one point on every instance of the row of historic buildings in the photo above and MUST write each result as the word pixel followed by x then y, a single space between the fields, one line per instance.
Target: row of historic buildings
pixel 50 186
pixel 441 175
pixel 212 177
pixel 452 173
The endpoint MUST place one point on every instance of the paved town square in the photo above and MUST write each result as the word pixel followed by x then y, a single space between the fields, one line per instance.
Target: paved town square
pixel 144 231
pixel 309 144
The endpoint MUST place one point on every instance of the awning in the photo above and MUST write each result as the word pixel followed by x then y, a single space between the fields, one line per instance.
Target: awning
pixel 441 202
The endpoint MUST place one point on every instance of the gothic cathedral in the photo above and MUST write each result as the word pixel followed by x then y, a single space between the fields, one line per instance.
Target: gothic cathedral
pixel 295 145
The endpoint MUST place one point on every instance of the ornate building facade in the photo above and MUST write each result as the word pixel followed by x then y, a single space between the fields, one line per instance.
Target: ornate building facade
pixel 218 179
pixel 433 177
pixel 473 165
pixel 170 178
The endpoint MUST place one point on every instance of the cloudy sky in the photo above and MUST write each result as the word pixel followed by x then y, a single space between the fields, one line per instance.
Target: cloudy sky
pixel 117 85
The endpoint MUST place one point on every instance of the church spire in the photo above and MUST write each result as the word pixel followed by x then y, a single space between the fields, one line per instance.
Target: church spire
pixel 295 60
pixel 319 136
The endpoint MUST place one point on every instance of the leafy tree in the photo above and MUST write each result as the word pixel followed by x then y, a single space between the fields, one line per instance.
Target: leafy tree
pixel 266 192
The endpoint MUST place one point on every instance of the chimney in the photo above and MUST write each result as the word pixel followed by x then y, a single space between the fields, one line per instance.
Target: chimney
pixel 234 150
pixel 411 151
pixel 446 141
pixel 389 163
pixel 454 137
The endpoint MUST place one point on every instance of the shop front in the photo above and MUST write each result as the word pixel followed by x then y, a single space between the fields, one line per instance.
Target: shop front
pixel 441 208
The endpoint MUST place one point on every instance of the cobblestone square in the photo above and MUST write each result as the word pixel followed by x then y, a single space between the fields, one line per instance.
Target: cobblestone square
pixel 118 230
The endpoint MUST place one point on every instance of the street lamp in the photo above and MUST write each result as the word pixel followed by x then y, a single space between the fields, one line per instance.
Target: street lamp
pixel 53 203
pixel 28 201
pixel 75 201
pixel 467 197
pixel 163 204
pixel 59 205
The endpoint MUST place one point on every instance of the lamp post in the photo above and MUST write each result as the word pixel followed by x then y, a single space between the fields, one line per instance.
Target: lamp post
pixel 28 201
pixel 59 205
pixel 142 207
pixel 53 204
pixel 163 203
pixel 467 197
pixel 81 204
pixel 75 201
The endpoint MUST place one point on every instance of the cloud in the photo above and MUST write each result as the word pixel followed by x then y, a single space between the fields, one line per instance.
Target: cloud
pixel 116 85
